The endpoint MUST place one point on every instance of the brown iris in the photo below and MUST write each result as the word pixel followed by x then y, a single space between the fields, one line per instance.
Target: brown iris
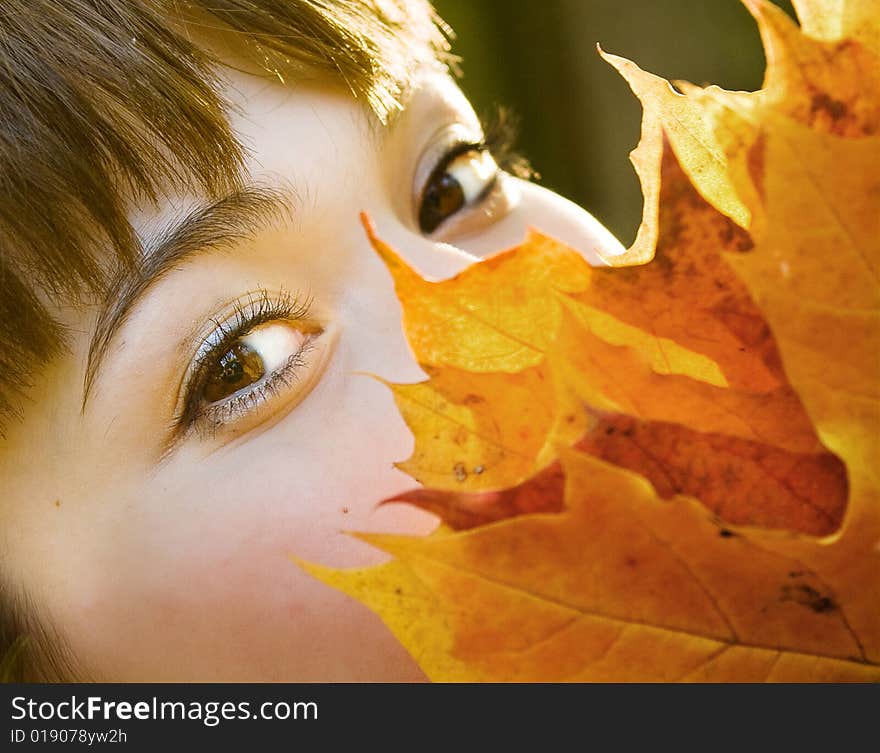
pixel 237 368
pixel 443 197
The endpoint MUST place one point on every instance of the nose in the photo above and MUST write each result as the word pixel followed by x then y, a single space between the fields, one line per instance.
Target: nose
pixel 565 221
pixel 541 209
pixel 532 207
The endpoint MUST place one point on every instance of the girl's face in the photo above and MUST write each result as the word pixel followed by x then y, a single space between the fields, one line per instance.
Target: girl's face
pixel 229 424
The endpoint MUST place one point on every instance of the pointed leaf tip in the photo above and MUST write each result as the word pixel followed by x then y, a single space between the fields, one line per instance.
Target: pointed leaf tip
pixel 368 224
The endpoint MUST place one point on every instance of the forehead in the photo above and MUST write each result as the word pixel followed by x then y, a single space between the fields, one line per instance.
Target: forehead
pixel 300 135
pixel 263 106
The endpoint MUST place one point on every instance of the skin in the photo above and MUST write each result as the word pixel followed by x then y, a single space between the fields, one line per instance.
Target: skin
pixel 164 566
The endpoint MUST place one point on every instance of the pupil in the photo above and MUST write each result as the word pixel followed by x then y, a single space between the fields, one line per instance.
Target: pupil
pixel 235 369
pixel 231 371
pixel 443 197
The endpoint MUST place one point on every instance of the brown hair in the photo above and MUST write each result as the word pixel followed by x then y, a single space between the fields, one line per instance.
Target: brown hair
pixel 104 101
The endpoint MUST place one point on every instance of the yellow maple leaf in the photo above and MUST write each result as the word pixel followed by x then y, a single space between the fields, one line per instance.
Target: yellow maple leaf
pixel 717 516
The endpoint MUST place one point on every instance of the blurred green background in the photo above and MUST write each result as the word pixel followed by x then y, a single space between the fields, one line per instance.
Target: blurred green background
pixel 579 119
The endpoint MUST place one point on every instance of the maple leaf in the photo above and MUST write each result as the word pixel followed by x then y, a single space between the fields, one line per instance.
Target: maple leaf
pixel 665 471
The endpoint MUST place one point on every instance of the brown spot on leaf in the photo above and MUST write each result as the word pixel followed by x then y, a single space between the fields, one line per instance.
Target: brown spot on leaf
pixel 809 597
pixel 755 163
pixel 823 102
pixel 735 238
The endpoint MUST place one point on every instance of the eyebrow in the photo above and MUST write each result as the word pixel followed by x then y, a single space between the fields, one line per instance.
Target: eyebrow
pixel 215 226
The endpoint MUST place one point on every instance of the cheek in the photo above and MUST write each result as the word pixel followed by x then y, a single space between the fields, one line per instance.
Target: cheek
pixel 195 580
pixel 209 592
pixel 230 606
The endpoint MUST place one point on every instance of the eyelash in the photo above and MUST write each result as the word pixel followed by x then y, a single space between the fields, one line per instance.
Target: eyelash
pixel 500 132
pixel 259 308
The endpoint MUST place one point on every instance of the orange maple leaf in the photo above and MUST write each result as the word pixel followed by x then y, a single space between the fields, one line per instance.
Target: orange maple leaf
pixel 665 471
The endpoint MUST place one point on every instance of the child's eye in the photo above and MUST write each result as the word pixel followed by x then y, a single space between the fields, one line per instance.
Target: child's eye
pixel 467 174
pixel 268 348
pixel 464 177
pixel 263 352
